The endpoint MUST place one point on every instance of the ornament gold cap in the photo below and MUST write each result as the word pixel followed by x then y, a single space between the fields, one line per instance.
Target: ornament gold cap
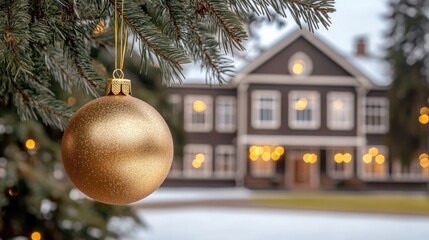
pixel 118 86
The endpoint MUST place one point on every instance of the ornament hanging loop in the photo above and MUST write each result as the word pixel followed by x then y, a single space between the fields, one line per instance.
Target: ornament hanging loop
pixel 118 74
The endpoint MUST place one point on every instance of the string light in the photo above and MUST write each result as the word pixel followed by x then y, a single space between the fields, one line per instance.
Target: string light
pixel 30 144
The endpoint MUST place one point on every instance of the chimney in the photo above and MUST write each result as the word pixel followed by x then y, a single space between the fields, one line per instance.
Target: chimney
pixel 361 47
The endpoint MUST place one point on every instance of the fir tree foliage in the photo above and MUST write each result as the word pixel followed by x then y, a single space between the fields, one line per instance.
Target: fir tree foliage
pixel 408 55
pixel 48 42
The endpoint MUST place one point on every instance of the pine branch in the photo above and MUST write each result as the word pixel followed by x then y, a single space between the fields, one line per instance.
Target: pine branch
pixel 228 24
pixel 51 111
pixel 312 12
pixel 154 44
pixel 204 48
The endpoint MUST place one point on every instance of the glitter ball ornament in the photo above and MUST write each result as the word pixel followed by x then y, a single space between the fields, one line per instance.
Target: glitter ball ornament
pixel 117 149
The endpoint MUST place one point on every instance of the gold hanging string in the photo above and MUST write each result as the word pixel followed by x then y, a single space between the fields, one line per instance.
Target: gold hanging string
pixel 122 34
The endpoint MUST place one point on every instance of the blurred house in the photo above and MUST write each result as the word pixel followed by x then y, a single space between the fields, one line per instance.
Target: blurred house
pixel 300 116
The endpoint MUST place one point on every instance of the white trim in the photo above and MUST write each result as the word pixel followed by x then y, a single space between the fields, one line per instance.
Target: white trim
pixel 346 113
pixel 416 172
pixel 220 160
pixel 308 80
pixel 370 176
pixel 316 42
pixel 220 111
pixel 190 152
pixel 275 108
pixel 189 125
pixel 308 64
pixel 313 104
pixel 383 113
pixel 299 140
pixel 347 171
pixel 242 96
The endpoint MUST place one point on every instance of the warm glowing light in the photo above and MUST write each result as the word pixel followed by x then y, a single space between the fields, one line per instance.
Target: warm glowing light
pixel 36 235
pixel 373 151
pixel 423 155
pixel 30 144
pixel 301 104
pixel 379 159
pixel 266 156
pixel 298 67
pixel 259 150
pixel 196 163
pixel 339 158
pixel 100 28
pixel 252 149
pixel 267 149
pixel 280 150
pixel 200 157
pixel 275 156
pixel 312 158
pixel 424 111
pixel 347 157
pixel 71 101
pixel 338 104
pixel 424 162
pixel 13 191
pixel 199 106
pixel 424 119
pixel 253 157
pixel 367 158
pixel 306 157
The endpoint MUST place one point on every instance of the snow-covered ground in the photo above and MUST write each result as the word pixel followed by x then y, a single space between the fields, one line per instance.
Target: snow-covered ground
pixel 224 223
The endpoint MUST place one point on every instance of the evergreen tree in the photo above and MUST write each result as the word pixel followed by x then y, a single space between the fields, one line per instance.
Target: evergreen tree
pixel 46 63
pixel 49 41
pixel 408 55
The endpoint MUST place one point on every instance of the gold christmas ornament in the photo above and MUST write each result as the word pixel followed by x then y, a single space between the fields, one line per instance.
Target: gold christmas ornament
pixel 117 149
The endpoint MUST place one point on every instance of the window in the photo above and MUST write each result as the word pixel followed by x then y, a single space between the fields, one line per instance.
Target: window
pixel 198 113
pixel 340 163
pixel 266 109
pixel 300 64
pixel 225 114
pixel 304 110
pixel 377 115
pixel 176 167
pixel 418 169
pixel 225 161
pixel 197 160
pixel 373 164
pixel 340 110
pixel 175 102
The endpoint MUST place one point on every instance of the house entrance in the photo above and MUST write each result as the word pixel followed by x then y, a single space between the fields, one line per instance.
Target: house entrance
pixel 302 171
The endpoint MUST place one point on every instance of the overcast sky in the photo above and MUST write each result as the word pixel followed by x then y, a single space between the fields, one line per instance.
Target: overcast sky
pixel 352 19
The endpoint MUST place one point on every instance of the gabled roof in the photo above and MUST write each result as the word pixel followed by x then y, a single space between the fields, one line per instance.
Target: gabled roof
pixel 317 43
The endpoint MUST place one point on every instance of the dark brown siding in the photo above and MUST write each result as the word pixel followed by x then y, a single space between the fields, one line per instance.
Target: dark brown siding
pixel 284 128
pixel 322 65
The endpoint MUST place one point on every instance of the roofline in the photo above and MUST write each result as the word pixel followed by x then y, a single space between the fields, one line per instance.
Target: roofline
pixel 318 43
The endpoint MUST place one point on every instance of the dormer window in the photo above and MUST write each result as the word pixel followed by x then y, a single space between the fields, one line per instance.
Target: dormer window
pixel 300 64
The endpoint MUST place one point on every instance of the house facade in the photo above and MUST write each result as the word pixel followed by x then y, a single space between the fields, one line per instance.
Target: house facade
pixel 300 116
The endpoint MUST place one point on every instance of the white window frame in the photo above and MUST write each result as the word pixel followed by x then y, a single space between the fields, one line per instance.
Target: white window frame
pixel 221 101
pixel 362 165
pixel 176 169
pixel 416 172
pixel 190 151
pixel 347 113
pixel 347 172
pixel 384 114
pixel 313 98
pixel 221 161
pixel 207 126
pixel 257 123
pixel 308 64
pixel 175 101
